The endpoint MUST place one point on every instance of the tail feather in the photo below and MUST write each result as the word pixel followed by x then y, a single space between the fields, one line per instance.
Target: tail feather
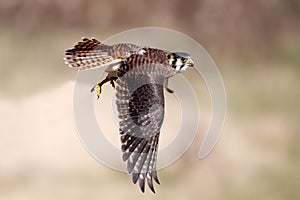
pixel 88 54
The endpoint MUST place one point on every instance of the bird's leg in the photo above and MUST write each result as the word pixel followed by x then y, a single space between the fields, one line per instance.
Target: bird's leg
pixel 99 85
pixel 112 79
pixel 166 86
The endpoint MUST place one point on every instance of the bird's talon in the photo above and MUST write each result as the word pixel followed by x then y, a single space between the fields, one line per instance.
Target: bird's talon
pixel 169 90
pixel 98 88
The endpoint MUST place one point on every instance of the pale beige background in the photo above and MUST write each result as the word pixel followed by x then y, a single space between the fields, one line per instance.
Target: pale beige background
pixel 255 44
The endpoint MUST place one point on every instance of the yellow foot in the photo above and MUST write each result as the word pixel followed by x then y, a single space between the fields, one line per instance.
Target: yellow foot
pixel 98 88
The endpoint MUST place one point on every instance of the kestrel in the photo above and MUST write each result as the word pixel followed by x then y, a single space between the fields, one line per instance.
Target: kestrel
pixel 139 75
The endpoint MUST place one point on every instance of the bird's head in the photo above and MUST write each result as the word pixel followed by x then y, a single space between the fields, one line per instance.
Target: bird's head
pixel 180 61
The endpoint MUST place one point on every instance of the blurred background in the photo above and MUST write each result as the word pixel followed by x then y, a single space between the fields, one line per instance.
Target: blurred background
pixel 256 47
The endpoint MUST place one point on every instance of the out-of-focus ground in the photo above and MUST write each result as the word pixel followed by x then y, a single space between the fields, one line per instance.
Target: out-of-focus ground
pixel 256 46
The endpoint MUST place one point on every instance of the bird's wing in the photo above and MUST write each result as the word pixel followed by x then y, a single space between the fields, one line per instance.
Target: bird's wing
pixel 140 103
pixel 90 54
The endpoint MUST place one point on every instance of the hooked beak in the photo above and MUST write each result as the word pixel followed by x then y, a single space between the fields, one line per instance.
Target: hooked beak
pixel 190 63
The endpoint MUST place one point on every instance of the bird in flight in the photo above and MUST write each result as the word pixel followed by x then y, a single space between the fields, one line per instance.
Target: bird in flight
pixel 139 74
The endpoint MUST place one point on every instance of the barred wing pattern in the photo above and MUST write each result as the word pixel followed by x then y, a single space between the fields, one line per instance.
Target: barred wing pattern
pixel 90 54
pixel 140 103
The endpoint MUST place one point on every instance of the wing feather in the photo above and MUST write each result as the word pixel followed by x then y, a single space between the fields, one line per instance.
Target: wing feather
pixel 140 103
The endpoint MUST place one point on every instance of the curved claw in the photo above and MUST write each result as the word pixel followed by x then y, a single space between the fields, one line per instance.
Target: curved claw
pixel 98 88
pixel 167 87
pixel 169 90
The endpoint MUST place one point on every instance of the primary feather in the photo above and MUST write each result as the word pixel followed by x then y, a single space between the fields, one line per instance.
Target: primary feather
pixel 140 103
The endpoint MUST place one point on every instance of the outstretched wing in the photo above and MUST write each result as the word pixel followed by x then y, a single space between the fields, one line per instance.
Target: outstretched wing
pixel 90 53
pixel 140 103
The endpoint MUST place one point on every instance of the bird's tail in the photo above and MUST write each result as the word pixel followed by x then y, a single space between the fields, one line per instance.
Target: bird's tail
pixel 87 54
